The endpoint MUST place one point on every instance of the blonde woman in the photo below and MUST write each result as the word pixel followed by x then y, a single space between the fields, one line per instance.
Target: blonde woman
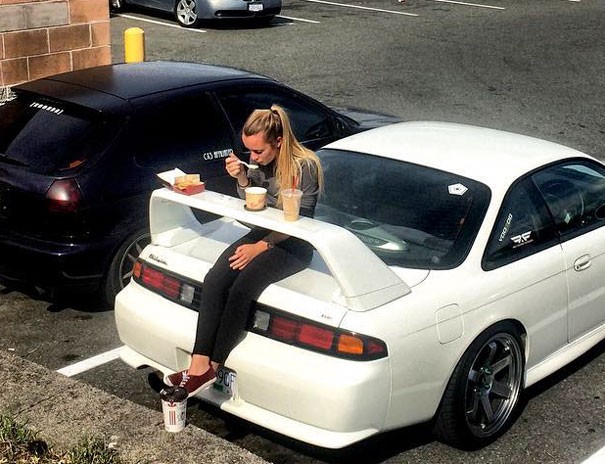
pixel 260 258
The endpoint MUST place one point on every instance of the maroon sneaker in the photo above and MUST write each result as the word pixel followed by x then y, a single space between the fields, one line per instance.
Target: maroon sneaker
pixel 195 383
pixel 173 380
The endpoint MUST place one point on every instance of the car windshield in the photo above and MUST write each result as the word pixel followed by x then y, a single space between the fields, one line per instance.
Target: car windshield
pixel 409 215
pixel 50 137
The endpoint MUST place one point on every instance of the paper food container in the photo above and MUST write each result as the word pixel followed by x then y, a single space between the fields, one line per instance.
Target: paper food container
pixel 177 180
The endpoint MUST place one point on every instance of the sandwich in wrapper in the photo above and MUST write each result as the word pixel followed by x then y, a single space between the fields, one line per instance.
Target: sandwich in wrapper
pixel 178 181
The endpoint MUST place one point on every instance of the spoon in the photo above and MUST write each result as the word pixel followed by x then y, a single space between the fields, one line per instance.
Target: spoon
pixel 249 166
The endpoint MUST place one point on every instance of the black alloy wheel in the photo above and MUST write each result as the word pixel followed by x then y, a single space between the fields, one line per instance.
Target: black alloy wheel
pixel 484 393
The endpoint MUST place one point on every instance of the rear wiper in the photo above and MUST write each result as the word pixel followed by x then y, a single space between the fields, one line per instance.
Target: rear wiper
pixel 6 159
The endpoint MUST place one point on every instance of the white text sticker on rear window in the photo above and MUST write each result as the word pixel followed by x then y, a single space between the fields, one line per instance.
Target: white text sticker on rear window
pixel 457 189
pixel 42 106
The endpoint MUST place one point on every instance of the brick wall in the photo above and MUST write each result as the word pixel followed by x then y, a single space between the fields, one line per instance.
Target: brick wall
pixel 43 37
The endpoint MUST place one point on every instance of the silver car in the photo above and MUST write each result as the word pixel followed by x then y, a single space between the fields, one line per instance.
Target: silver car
pixel 190 13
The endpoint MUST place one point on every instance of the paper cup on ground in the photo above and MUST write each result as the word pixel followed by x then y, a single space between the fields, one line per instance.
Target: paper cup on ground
pixel 256 198
pixel 174 407
pixel 291 203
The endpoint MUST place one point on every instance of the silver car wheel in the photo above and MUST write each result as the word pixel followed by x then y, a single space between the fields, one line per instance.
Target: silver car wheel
pixel 186 12
pixel 493 385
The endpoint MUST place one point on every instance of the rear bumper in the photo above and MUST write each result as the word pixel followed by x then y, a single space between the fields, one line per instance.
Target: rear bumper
pixel 242 14
pixel 308 396
pixel 52 267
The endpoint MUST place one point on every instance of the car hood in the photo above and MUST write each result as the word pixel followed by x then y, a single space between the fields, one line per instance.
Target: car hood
pixel 368 119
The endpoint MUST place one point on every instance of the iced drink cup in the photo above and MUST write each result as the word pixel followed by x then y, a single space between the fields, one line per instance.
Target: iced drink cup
pixel 256 198
pixel 291 203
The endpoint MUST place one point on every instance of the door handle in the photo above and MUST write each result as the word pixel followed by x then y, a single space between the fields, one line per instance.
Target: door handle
pixel 583 262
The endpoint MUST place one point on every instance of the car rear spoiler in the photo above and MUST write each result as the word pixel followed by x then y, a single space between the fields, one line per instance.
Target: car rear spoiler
pixel 365 281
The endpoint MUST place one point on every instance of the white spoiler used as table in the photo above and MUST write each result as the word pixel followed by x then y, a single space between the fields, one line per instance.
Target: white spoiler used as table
pixel 366 282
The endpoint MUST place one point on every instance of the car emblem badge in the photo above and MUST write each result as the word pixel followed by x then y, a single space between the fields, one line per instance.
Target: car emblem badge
pixel 157 259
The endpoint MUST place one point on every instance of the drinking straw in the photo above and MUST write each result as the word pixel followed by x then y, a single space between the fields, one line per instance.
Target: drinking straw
pixel 293 182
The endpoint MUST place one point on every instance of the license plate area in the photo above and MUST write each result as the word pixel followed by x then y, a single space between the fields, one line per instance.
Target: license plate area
pixel 255 7
pixel 226 382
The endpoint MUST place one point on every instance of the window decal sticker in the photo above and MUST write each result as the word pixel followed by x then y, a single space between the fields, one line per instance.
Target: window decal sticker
pixel 568 217
pixel 522 239
pixel 457 189
pixel 506 228
pixel 216 154
pixel 49 108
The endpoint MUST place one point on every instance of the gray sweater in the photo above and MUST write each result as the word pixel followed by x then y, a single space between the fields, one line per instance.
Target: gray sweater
pixel 264 176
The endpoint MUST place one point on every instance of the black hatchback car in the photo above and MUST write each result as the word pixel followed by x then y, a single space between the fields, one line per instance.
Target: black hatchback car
pixel 79 154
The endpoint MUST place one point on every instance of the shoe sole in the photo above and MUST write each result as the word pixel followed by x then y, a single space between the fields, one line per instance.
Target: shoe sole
pixel 201 387
pixel 167 381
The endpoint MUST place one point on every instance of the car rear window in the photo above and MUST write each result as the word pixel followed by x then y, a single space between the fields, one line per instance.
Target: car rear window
pixel 51 137
pixel 408 215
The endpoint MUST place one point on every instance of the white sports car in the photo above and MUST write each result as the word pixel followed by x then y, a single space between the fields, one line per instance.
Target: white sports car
pixel 454 267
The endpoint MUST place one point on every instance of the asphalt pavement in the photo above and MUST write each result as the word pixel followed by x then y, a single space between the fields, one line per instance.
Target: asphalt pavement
pixel 63 411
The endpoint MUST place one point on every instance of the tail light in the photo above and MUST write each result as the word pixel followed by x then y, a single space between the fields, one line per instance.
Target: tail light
pixel 267 321
pixel 167 284
pixel 64 196
pixel 311 335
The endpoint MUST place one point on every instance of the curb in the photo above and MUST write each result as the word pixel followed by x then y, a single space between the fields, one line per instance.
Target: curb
pixel 63 410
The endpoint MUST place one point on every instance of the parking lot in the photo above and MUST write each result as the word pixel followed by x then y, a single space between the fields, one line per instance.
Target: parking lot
pixel 531 67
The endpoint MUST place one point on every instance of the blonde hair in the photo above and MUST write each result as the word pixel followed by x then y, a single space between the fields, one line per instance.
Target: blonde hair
pixel 275 123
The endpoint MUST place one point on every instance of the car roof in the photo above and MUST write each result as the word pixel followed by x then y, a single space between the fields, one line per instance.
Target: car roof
pixel 491 156
pixel 106 88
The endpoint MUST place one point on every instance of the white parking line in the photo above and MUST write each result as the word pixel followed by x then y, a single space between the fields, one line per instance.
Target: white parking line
pixel 472 4
pixel 361 7
pixel 161 23
pixel 299 19
pixel 599 456
pixel 90 363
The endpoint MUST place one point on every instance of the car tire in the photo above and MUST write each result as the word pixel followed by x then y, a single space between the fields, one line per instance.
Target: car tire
pixel 186 13
pixel 483 397
pixel 120 269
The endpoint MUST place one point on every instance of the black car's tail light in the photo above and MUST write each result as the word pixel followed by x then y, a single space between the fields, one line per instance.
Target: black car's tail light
pixel 64 196
pixel 311 335
pixel 170 286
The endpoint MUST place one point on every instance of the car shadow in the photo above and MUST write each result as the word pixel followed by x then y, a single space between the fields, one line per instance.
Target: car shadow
pixel 566 371
pixel 91 303
pixel 384 446
pixel 244 24
pixel 373 450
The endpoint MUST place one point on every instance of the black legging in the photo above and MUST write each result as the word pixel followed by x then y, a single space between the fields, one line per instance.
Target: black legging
pixel 228 294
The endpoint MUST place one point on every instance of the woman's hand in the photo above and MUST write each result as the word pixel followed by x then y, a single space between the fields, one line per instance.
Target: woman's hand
pixel 244 254
pixel 233 167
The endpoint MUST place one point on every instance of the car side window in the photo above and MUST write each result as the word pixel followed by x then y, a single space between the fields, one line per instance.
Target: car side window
pixel 187 133
pixel 523 227
pixel 309 122
pixel 574 193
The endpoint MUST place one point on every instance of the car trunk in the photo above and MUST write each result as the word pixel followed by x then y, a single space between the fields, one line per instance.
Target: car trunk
pixel 46 147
